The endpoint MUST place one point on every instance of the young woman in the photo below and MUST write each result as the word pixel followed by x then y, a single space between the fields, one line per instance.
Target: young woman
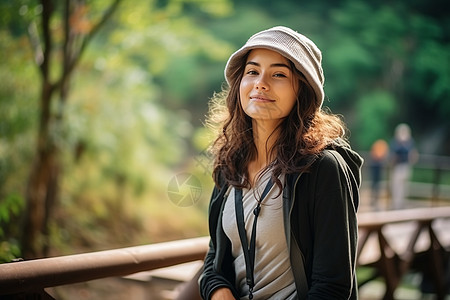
pixel 282 216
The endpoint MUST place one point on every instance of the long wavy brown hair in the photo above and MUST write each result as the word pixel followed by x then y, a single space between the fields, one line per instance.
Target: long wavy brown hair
pixel 303 134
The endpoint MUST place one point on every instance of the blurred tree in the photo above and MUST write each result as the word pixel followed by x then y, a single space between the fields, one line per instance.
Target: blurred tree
pixel 114 81
pixel 59 37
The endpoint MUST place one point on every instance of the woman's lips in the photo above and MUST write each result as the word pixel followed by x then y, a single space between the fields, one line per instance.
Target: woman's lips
pixel 261 99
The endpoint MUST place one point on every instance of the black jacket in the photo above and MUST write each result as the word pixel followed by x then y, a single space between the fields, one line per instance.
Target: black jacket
pixel 320 224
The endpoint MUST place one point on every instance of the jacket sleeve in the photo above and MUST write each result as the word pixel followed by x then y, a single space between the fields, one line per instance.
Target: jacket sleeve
pixel 212 279
pixel 334 230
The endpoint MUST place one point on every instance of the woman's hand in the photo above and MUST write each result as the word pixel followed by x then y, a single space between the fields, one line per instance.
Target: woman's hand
pixel 222 294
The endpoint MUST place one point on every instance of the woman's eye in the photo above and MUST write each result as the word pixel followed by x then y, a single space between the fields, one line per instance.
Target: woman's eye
pixel 280 75
pixel 252 72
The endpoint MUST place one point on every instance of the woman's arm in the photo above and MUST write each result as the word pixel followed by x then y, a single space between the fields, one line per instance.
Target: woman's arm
pixel 211 280
pixel 335 230
pixel 222 294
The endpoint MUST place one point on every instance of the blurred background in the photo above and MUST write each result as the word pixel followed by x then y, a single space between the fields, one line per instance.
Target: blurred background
pixel 103 103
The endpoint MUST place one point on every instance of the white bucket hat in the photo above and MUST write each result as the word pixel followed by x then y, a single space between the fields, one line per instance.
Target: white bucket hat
pixel 296 47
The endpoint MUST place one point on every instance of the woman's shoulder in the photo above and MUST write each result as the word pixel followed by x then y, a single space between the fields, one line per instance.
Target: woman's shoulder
pixel 328 158
pixel 339 162
pixel 340 155
pixel 329 164
pixel 318 163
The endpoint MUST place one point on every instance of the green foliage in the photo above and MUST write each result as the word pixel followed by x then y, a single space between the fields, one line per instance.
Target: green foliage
pixel 375 112
pixel 10 208
pixel 16 108
pixel 345 62
pixel 17 123
pixel 431 74
pixel 9 250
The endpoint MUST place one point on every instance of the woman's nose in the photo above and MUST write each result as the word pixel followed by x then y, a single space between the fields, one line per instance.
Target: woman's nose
pixel 261 83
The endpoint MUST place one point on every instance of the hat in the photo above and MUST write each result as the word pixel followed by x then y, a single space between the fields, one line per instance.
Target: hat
pixel 296 47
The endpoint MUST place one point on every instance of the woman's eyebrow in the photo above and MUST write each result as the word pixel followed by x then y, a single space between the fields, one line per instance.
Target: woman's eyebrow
pixel 272 65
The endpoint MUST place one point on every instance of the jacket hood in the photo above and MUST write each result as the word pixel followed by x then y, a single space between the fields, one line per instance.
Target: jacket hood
pixel 353 159
pixel 353 166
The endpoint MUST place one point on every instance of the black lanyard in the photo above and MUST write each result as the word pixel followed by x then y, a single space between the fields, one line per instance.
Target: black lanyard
pixel 249 252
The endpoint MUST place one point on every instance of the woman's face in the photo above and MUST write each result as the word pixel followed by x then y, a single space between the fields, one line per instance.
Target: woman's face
pixel 268 89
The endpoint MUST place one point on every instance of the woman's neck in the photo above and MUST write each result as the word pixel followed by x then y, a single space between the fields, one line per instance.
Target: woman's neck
pixel 264 136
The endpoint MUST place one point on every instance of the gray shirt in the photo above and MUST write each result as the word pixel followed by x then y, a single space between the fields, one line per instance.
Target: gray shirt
pixel 273 274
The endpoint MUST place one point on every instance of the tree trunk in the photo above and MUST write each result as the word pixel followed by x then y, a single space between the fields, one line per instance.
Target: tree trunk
pixel 43 184
pixel 41 196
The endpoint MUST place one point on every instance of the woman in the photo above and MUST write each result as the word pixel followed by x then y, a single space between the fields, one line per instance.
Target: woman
pixel 282 216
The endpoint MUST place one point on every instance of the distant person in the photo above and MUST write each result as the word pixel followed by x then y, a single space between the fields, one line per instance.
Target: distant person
pixel 282 216
pixel 403 154
pixel 378 155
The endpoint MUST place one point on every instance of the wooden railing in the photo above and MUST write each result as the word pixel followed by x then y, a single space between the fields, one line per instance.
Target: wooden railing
pixel 387 254
pixel 31 277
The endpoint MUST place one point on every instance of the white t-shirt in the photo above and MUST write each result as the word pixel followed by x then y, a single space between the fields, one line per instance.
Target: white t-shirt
pixel 272 273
